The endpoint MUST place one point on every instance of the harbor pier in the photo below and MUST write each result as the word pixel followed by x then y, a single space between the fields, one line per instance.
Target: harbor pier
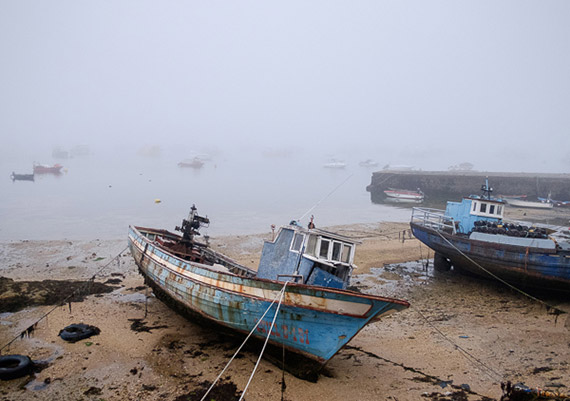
pixel 445 185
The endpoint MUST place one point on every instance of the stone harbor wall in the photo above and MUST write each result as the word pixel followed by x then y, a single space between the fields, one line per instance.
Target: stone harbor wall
pixel 443 185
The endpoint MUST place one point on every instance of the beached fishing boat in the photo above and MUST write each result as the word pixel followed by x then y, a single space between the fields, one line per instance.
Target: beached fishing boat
pixel 472 235
pixel 404 195
pixel 46 169
pixel 304 272
pixel 557 203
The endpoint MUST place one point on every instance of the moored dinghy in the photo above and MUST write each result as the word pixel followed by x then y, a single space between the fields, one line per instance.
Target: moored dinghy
pixel 47 169
pixel 308 269
pixel 21 177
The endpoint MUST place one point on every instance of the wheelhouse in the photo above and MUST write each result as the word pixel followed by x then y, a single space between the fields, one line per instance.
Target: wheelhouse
pixel 314 256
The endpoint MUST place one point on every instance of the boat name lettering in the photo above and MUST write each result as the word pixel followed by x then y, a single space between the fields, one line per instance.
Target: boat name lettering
pixel 296 334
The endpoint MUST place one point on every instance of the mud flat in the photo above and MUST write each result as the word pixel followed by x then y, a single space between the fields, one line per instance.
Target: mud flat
pixel 459 340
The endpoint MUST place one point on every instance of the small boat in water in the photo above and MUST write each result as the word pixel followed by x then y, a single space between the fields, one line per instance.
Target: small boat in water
pixel 368 163
pixel 335 164
pixel 21 177
pixel 472 235
pixel 196 162
pixel 306 269
pixel 46 169
pixel 404 195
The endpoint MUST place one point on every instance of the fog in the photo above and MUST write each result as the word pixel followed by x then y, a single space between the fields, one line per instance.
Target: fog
pixel 268 87
pixel 429 84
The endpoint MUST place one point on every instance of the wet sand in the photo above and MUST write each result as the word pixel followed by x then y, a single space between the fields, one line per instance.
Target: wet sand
pixel 460 333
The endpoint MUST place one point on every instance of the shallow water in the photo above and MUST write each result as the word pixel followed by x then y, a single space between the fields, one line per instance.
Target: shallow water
pixel 394 280
pixel 99 197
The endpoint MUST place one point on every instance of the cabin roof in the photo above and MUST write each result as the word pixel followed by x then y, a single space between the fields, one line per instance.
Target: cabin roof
pixel 324 233
pixel 479 198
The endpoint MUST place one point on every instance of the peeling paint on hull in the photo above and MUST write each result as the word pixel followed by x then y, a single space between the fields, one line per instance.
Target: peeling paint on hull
pixel 533 268
pixel 313 322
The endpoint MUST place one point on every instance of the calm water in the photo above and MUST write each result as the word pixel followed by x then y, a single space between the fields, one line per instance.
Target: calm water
pixel 95 198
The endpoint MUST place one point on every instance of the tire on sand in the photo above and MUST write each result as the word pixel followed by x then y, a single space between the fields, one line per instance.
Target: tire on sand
pixel 14 366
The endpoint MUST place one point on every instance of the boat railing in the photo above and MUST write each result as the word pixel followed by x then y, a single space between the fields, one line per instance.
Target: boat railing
pixel 433 218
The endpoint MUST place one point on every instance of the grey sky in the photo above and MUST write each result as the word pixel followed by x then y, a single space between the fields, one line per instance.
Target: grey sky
pixel 429 83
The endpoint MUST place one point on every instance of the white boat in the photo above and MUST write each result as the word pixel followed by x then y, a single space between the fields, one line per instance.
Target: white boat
pixel 194 163
pixel 368 163
pixel 404 195
pixel 335 164
pixel 529 204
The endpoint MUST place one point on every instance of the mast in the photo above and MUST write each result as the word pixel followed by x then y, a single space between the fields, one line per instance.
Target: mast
pixel 486 189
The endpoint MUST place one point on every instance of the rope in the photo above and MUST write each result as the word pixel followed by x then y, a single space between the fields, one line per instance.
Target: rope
pixel 326 196
pixel 266 340
pixel 244 341
pixel 548 306
pixel 66 299
pixel 463 352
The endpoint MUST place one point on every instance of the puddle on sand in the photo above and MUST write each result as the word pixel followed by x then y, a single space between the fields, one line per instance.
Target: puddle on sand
pixel 40 364
pixel 136 297
pixel 393 279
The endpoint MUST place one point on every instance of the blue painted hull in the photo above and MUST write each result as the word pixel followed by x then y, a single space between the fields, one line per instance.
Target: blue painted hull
pixel 313 322
pixel 527 267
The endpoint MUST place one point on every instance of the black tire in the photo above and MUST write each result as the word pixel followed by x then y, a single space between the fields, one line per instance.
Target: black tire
pixel 441 263
pixel 14 366
pixel 76 332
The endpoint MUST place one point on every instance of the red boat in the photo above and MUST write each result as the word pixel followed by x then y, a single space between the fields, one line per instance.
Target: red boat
pixel 45 169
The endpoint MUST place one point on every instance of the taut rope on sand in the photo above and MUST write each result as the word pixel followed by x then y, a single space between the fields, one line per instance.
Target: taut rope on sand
pixel 556 311
pixel 67 299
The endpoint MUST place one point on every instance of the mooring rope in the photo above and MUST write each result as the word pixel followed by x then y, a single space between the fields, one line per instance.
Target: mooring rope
pixel 280 296
pixel 558 311
pixel 463 351
pixel 266 340
pixel 66 299
pixel 326 196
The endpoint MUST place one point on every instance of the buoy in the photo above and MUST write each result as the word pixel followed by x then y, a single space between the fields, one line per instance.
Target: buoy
pixel 157 201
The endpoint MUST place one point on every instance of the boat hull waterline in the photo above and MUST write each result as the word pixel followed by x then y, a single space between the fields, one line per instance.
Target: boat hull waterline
pixel 313 322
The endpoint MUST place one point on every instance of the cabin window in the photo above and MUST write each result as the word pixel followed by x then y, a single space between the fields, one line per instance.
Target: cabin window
pixel 337 247
pixel 312 245
pixel 474 206
pixel 491 209
pixel 324 251
pixel 346 253
pixel 483 208
pixel 297 242
pixel 499 210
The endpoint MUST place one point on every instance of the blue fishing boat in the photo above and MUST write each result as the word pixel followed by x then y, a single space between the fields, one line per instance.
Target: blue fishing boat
pixel 307 270
pixel 472 235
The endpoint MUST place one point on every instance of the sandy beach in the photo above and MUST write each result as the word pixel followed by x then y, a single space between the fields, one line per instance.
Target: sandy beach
pixel 460 338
